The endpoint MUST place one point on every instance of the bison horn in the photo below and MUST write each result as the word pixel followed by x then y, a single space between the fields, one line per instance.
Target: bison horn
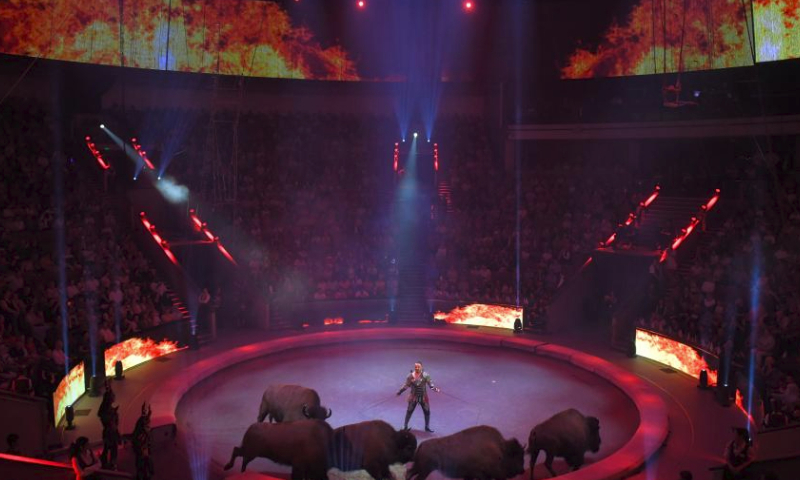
pixel 330 412
pixel 305 411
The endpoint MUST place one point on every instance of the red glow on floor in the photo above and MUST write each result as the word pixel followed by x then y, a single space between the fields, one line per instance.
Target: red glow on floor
pixel 673 353
pixel 35 461
pixel 136 351
pixel 482 315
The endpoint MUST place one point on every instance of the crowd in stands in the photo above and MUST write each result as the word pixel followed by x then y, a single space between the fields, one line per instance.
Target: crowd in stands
pixel 313 220
pixel 109 286
pixel 738 296
pixel 565 207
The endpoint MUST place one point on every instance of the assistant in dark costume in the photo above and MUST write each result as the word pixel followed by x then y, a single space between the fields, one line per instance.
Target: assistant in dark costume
pixel 418 381
pixel 142 445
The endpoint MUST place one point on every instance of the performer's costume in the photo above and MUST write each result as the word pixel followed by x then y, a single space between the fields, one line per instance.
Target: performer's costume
pixel 418 395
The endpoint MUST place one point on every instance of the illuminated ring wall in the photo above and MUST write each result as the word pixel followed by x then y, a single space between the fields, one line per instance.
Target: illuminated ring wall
pixel 647 439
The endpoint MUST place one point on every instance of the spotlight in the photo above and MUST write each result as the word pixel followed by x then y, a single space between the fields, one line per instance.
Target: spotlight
pixel 415 134
pixel 361 3
pixel 69 414
pixel 94 386
pixel 118 370
pixel 429 140
pixel 703 380
pixel 102 125
pixel 468 6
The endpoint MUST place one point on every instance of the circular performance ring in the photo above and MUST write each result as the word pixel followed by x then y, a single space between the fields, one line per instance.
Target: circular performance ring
pixel 649 436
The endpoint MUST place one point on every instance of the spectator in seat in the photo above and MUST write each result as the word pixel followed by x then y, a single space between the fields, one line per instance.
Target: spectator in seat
pixel 738 456
pixel 84 461
pixel 12 441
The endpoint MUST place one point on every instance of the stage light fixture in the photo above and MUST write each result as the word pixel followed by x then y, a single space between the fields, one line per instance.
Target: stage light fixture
pixel 69 414
pixel 94 386
pixel 468 6
pixel 102 126
pixel 118 370
pixel 361 3
pixel 703 380
pixel 415 134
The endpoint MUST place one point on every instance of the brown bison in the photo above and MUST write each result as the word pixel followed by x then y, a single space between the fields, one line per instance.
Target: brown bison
pixel 287 403
pixel 304 445
pixel 567 434
pixel 477 452
pixel 373 446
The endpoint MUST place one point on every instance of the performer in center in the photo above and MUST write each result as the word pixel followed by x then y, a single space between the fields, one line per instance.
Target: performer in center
pixel 418 381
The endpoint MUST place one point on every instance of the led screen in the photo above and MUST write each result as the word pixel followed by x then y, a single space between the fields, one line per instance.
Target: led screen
pixel 252 38
pixel 677 355
pixel 69 390
pixel 777 29
pixel 135 351
pixel 483 315
pixel 662 36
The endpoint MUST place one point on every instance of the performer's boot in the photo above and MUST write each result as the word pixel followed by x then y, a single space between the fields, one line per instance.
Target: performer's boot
pixel 408 417
pixel 428 422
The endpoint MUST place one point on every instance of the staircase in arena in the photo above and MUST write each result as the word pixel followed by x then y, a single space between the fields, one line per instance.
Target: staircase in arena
pixel 445 194
pixel 412 305
pixel 663 213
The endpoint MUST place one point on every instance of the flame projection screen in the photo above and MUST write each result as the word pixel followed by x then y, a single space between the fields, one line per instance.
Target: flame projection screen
pixel 252 38
pixel 483 315
pixel 69 390
pixel 135 351
pixel 637 37
pixel 673 353
pixel 777 29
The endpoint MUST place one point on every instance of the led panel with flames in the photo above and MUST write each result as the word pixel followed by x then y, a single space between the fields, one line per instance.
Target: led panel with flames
pixel 136 351
pixel 673 353
pixel 70 389
pixel 208 36
pixel 483 315
pixel 776 29
pixel 670 36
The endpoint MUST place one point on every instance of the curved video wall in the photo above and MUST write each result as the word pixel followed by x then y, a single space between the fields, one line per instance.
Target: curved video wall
pixel 251 38
pixel 637 37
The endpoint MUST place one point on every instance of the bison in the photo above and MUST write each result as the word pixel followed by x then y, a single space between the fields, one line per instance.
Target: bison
pixel 373 446
pixel 567 434
pixel 287 403
pixel 477 452
pixel 304 445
